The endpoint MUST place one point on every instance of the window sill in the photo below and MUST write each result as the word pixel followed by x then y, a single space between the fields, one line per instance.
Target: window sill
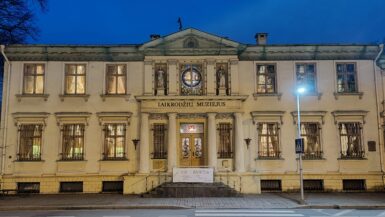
pixel 256 95
pixel 312 159
pixel 352 158
pixel 41 96
pixel 29 161
pixel 105 96
pixel 316 94
pixel 84 96
pixel 114 160
pixel 338 94
pixel 269 158
pixel 71 160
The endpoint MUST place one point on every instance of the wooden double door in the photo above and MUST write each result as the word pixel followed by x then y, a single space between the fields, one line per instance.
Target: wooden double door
pixel 191 148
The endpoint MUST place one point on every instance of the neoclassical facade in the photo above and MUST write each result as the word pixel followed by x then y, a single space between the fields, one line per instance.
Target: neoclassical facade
pixel 122 118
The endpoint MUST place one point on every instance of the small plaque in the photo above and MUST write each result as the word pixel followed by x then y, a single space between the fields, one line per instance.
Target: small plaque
pixel 193 175
pixel 371 145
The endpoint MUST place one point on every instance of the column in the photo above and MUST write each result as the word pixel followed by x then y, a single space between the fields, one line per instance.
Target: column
pixel 171 149
pixel 144 152
pixel 239 144
pixel 212 141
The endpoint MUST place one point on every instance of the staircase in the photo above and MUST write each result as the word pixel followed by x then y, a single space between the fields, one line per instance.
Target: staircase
pixel 170 189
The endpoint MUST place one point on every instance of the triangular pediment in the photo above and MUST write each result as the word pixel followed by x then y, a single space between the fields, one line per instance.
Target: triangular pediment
pixel 191 42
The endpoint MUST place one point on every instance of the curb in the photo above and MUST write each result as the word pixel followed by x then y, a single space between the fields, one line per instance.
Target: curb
pixel 24 208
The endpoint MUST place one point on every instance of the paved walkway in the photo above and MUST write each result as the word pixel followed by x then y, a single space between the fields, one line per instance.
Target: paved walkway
pixel 265 200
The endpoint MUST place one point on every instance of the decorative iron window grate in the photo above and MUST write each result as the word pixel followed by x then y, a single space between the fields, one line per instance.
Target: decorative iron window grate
pixel 311 134
pixel 113 186
pixel 353 184
pixel 73 142
pixel 114 141
pixel 313 185
pixel 351 142
pixel 28 187
pixel 225 141
pixel 268 140
pixel 159 134
pixel 71 187
pixel 271 185
pixel 30 142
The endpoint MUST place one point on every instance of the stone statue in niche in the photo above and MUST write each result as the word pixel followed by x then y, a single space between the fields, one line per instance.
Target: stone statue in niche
pixel 160 81
pixel 221 80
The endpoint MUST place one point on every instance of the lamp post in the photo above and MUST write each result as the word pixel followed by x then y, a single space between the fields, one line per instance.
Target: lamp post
pixel 300 90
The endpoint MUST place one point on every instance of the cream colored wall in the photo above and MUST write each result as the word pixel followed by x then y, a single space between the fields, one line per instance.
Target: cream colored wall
pixel 326 81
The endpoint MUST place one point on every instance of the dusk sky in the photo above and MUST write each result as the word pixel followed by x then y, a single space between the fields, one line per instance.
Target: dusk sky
pixel 286 21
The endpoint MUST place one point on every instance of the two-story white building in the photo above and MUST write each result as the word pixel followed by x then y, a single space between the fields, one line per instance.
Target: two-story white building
pixel 121 118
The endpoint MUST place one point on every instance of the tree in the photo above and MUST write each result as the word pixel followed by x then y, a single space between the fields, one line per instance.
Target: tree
pixel 17 20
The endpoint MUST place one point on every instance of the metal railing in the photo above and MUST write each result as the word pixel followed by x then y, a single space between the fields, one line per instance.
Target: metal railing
pixel 312 155
pixel 352 154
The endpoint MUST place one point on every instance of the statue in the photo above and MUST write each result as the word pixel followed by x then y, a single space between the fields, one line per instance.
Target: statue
pixel 160 78
pixel 221 77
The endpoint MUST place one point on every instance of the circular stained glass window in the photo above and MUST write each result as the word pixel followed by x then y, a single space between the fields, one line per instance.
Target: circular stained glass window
pixel 191 77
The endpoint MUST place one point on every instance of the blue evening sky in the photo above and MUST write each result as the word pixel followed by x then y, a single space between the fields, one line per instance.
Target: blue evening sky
pixel 286 21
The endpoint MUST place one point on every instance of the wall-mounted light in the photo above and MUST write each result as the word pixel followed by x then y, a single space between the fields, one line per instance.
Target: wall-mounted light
pixel 247 140
pixel 136 142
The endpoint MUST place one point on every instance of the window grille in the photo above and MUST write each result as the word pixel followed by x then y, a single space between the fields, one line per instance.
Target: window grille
pixel 351 144
pixel 28 187
pixel 225 141
pixel 73 142
pixel 114 141
pixel 271 185
pixel 353 184
pixel 75 79
pixel 266 79
pixel 268 140
pixel 30 142
pixel 313 185
pixel 33 81
pixel 159 134
pixel 116 79
pixel 306 76
pixel 310 132
pixel 112 186
pixel 71 187
pixel 346 78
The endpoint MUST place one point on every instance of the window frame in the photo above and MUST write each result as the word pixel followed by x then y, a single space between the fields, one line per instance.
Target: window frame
pixel 114 137
pixel 34 75
pixel 66 65
pixel 259 135
pixel 345 74
pixel 360 154
pixel 20 156
pixel 73 138
pixel 318 154
pixel 159 148
pixel 275 78
pixel 229 146
pixel 305 64
pixel 107 75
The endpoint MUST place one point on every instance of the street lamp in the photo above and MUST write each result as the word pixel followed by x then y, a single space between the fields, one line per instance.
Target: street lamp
pixel 300 90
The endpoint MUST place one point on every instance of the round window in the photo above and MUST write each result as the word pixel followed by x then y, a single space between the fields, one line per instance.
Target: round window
pixel 191 77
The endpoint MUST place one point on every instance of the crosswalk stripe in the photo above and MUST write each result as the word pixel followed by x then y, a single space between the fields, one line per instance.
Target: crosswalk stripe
pixel 116 216
pixel 249 214
pixel 245 210
pixel 342 212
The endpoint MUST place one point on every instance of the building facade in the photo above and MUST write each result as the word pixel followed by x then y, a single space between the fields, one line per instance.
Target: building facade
pixel 106 118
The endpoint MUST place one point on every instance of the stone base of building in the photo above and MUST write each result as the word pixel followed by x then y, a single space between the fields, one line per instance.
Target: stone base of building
pixel 246 183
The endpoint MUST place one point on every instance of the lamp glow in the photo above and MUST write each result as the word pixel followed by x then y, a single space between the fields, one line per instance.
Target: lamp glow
pixel 301 90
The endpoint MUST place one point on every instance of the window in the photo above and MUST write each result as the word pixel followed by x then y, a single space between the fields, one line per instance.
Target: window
pixel 116 79
pixel 73 142
pixel 30 142
pixel 351 144
pixel 75 79
pixel 268 140
pixel 225 144
pixel 266 79
pixel 114 141
pixel 306 76
pixel 33 79
pixel 159 133
pixel 346 78
pixel 192 81
pixel 311 134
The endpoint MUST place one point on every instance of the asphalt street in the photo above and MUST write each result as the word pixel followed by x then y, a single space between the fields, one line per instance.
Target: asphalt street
pixel 197 212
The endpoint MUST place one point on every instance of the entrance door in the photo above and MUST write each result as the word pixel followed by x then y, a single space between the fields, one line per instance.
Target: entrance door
pixel 191 145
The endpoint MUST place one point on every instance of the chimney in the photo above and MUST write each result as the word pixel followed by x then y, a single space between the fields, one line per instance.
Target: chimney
pixel 261 38
pixel 154 36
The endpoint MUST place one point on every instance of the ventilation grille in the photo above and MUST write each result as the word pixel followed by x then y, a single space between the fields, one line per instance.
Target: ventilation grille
pixel 313 185
pixel 113 186
pixel 271 185
pixel 71 186
pixel 28 187
pixel 354 185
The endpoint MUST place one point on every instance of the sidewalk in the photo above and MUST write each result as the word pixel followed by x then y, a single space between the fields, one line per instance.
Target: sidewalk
pixel 117 201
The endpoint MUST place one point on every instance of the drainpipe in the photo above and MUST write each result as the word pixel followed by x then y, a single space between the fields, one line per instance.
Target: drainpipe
pixel 380 128
pixel 5 110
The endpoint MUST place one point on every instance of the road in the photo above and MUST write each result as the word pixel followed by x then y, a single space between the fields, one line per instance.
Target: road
pixel 196 212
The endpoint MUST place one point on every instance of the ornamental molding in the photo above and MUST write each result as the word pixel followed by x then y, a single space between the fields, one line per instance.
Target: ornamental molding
pixel 30 117
pixel 309 115
pixel 72 117
pixel 349 115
